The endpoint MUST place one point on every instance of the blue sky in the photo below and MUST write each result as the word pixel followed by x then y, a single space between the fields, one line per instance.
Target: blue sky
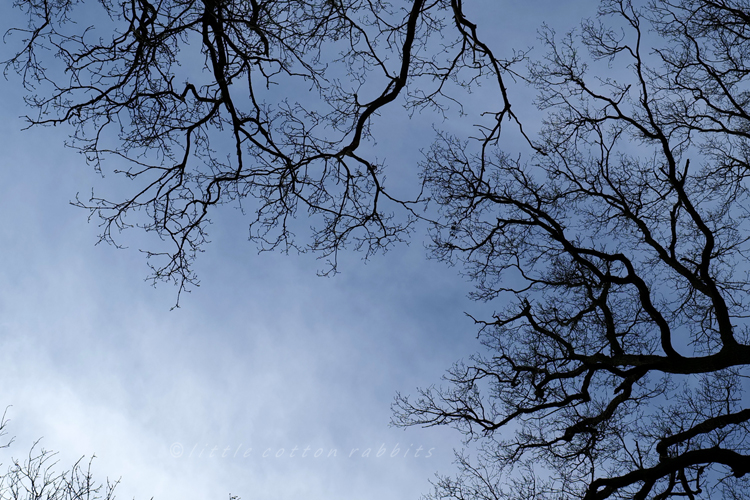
pixel 264 356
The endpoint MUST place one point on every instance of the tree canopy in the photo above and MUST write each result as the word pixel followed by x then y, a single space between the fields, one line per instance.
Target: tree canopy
pixel 615 246
pixel 195 97
pixel 38 477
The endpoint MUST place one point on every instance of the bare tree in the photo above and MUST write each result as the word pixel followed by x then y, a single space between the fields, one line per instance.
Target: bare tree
pixel 618 369
pixel 36 477
pixel 616 244
pixel 197 97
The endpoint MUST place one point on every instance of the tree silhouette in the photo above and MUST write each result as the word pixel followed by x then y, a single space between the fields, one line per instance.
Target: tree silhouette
pixel 195 96
pixel 615 245
pixel 37 478
pixel 621 362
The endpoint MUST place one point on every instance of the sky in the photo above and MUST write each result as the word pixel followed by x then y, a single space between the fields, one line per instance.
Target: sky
pixel 264 359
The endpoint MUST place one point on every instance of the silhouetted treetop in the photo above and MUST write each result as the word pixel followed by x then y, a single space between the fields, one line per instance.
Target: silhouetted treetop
pixel 211 102
pixel 617 364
